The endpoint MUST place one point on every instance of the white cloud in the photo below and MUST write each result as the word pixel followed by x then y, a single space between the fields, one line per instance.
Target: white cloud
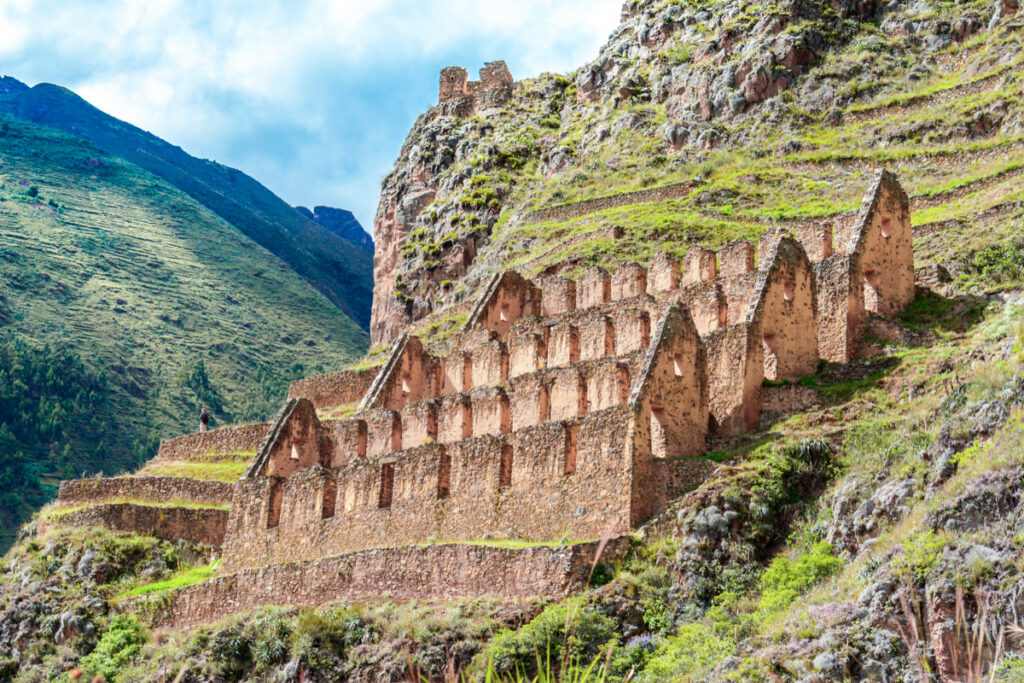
pixel 312 98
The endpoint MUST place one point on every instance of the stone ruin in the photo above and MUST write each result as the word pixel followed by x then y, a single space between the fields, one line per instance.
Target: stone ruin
pixel 564 409
pixel 459 96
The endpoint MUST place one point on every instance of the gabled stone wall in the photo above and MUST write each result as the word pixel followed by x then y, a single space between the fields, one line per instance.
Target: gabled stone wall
pixel 563 408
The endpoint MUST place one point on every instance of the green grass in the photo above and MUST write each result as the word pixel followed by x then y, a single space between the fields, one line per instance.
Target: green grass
pixel 181 579
pixel 55 512
pixel 225 470
pixel 173 305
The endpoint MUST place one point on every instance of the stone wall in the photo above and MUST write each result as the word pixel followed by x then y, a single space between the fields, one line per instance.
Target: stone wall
pixel 150 489
pixel 198 525
pixel 334 389
pixel 458 96
pixel 224 443
pixel 568 477
pixel 437 572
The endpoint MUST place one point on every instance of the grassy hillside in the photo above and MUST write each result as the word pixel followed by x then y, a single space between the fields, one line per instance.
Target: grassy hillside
pixel 341 270
pixel 169 304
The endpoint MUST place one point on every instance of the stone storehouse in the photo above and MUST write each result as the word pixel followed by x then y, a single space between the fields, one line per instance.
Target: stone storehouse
pixel 565 409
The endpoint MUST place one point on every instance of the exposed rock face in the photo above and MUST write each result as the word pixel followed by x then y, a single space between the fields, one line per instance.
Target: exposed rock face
pixel 341 222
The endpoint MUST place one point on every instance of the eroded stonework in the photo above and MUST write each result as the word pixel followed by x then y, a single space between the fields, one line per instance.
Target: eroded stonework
pixel 564 409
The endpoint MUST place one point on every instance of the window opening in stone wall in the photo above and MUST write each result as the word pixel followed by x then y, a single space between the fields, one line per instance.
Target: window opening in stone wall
pixel 659 445
pixel 723 315
pixel 330 498
pixel 788 289
pixel 396 434
pixel 274 509
pixel 645 330
pixel 467 420
pixel 571 444
pixel 467 373
pixel 406 384
pixel 387 484
pixel 583 405
pixel 677 364
pixel 504 314
pixel 886 227
pixel 294 453
pixel 505 467
pixel 444 476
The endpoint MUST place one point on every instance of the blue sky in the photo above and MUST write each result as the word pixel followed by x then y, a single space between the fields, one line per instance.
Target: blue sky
pixel 312 98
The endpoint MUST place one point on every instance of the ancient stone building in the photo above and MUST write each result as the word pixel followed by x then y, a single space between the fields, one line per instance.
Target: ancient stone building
pixel 461 97
pixel 564 410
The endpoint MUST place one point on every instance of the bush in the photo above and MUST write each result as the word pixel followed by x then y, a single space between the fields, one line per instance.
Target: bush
pixel 695 648
pixel 786 579
pixel 120 644
pixel 562 633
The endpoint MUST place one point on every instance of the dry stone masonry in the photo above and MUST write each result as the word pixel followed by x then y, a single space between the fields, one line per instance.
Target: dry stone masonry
pixel 565 409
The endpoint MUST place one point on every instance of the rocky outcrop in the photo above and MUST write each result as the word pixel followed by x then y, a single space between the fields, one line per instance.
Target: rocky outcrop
pixel 341 222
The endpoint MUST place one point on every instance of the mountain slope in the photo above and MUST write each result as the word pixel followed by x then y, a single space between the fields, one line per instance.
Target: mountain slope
pixel 336 267
pixel 341 222
pixel 170 304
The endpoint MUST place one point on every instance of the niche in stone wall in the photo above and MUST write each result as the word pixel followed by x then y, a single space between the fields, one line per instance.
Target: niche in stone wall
pixel 788 289
pixel 887 227
pixel 387 484
pixel 871 290
pixel 623 383
pixel 330 498
pixel 274 506
pixel 645 330
pixel 609 337
pixel 572 437
pixel 544 399
pixel 505 467
pixel 677 364
pixel 771 357
pixel 444 475
pixel 659 443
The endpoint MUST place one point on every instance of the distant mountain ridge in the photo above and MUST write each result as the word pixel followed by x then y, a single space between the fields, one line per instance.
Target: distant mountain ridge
pixel 339 268
pixel 341 222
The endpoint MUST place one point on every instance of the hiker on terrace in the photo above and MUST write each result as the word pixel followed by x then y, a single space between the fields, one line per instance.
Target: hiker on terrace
pixel 204 420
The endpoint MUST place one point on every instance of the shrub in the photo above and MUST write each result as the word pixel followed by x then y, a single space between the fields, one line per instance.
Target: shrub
pixel 786 579
pixel 566 632
pixel 119 645
pixel 695 648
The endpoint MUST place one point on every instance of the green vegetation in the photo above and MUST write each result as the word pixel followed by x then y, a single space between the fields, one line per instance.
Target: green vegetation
pixel 120 644
pixel 181 579
pixel 160 307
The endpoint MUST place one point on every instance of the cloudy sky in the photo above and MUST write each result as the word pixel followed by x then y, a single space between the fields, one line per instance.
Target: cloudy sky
pixel 311 97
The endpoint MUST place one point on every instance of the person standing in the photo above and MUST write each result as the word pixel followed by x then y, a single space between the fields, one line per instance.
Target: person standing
pixel 204 420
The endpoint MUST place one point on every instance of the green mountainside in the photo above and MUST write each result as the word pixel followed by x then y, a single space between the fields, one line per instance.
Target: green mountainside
pixel 341 270
pixel 877 535
pixel 165 305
